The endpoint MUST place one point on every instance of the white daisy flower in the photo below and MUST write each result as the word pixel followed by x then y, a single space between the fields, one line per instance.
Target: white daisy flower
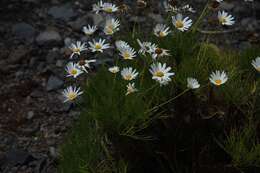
pixel 98 7
pixel 131 88
pixel 120 45
pixel 188 8
pixel 77 48
pixel 256 63
pixel 98 46
pixel 169 8
pixel 219 1
pixel 114 69
pixel 146 47
pixel 159 52
pixel 192 83
pixel 127 53
pixel 161 30
pixel 89 30
pixel 109 8
pixel 84 64
pixel 71 93
pixel 161 73
pixel 182 24
pixel 225 18
pixel 112 25
pixel 73 70
pixel 129 73
pixel 218 78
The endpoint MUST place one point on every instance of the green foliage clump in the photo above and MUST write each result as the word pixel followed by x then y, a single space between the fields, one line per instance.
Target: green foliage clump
pixel 243 147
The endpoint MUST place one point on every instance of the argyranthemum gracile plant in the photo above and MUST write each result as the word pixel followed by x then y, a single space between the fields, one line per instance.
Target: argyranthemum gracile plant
pixel 170 72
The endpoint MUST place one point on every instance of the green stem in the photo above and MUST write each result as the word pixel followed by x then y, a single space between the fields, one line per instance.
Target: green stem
pixel 168 101
pixel 203 13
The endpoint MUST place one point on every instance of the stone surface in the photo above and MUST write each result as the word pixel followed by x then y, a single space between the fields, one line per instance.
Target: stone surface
pixel 49 36
pixel 63 12
pixel 24 31
pixel 54 83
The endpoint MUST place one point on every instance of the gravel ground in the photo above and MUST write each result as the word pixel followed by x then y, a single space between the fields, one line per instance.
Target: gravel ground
pixel 33 39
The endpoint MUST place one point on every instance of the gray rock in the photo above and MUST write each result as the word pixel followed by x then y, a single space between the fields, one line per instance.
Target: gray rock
pixel 54 83
pixel 227 6
pixel 78 24
pixel 49 36
pixel 96 18
pixel 30 115
pixel 52 56
pixel 60 63
pixel 24 31
pixel 156 17
pixel 17 55
pixel 249 24
pixel 67 41
pixel 64 12
pixel 53 152
pixel 15 157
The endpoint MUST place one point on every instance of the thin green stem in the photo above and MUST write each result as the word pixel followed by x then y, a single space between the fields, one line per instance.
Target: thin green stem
pixel 203 13
pixel 168 101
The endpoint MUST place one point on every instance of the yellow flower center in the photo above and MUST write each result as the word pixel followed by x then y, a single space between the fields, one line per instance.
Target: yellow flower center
pixel 158 51
pixel 98 46
pixel 76 50
pixel 222 20
pixel 218 82
pixel 126 55
pixel 108 10
pixel 159 74
pixel 179 24
pixel 72 96
pixel 161 34
pixel 114 71
pixel 109 30
pixel 82 62
pixel 128 77
pixel 74 71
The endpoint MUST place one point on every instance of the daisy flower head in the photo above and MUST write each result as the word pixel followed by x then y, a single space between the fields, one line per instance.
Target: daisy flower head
pixel 130 88
pixel 111 26
pixel 159 52
pixel 225 18
pixel 146 47
pixel 161 30
pixel 218 78
pixel 192 83
pixel 98 46
pixel 127 53
pixel 89 30
pixel 85 64
pixel 120 45
pixel 170 8
pixel 182 24
pixel 256 63
pixel 97 7
pixel 188 8
pixel 77 48
pixel 71 93
pixel 73 70
pixel 109 7
pixel 129 73
pixel 161 73
pixel 114 69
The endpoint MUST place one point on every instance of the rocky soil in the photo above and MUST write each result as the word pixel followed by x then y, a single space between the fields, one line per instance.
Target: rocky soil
pixel 34 35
